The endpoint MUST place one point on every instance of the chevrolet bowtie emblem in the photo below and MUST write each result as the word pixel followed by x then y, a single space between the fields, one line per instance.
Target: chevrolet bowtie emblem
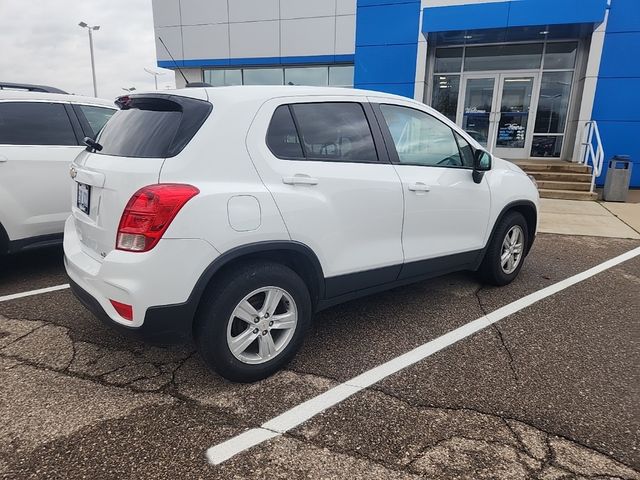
pixel 73 172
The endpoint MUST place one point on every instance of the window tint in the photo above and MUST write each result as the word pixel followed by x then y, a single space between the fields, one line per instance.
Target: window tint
pixel 96 117
pixel 152 127
pixel 282 138
pixel 35 123
pixel 420 139
pixel 466 151
pixel 335 131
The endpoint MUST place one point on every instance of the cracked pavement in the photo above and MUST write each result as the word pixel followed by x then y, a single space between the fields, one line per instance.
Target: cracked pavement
pixel 550 392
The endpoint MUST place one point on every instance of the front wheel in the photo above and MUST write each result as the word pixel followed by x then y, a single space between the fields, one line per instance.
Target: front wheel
pixel 506 251
pixel 252 321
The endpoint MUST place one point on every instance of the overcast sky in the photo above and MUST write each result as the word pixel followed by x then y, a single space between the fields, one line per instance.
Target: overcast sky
pixel 42 43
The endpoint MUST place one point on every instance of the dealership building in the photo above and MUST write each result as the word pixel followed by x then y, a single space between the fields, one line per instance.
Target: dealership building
pixel 523 77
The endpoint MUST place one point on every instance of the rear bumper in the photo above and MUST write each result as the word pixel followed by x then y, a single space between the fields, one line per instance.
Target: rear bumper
pixel 163 325
pixel 157 284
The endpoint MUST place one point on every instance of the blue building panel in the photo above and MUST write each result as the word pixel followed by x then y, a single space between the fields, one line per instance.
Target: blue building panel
pixel 624 16
pixel 387 45
pixel 387 24
pixel 616 61
pixel 512 14
pixel 617 102
pixel 465 17
pixel 555 12
pixel 621 138
pixel 385 64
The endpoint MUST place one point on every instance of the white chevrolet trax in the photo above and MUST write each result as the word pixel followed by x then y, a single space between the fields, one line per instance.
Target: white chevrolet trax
pixel 230 215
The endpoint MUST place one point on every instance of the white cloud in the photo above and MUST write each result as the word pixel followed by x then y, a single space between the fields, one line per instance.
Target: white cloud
pixel 42 43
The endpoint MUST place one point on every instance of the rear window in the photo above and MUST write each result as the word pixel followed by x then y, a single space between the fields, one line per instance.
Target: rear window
pixel 35 123
pixel 152 126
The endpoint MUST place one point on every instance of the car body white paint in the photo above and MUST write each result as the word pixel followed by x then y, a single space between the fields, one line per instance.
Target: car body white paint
pixel 351 216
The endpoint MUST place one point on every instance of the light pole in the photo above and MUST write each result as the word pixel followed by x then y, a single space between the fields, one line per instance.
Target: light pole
pixel 155 75
pixel 93 66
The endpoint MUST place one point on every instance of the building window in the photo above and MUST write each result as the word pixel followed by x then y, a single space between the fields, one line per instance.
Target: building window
pixel 503 57
pixel 445 95
pixel 222 77
pixel 448 60
pixel 316 75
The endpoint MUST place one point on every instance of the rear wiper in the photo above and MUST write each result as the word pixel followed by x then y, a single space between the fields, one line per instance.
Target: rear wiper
pixel 92 145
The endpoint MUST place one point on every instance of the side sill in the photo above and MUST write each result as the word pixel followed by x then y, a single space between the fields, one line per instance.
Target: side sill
pixel 409 273
pixel 41 241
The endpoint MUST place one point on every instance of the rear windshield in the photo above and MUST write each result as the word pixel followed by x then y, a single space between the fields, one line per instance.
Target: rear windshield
pixel 152 126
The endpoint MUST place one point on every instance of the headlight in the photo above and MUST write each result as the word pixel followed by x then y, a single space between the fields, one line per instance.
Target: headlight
pixel 533 180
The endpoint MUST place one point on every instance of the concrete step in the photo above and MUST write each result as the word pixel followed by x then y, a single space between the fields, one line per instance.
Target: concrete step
pixel 554 167
pixel 567 194
pixel 561 177
pixel 554 185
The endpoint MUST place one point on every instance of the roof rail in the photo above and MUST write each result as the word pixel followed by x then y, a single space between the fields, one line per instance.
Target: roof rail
pixel 29 87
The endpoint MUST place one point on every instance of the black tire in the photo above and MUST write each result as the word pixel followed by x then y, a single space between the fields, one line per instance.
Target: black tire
pixel 490 270
pixel 219 302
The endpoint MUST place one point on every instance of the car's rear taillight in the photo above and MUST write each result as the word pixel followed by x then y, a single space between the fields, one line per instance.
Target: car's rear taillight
pixel 149 213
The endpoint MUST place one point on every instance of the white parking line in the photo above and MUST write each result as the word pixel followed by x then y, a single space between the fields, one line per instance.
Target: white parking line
pixel 6 298
pixel 306 410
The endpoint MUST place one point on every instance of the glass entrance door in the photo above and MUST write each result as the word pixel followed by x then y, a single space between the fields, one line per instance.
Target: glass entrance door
pixel 514 128
pixel 495 110
pixel 478 106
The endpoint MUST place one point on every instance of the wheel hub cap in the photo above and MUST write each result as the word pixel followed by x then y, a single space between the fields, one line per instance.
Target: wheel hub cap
pixel 262 325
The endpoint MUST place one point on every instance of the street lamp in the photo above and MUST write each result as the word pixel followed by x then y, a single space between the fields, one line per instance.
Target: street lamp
pixel 93 66
pixel 128 89
pixel 155 75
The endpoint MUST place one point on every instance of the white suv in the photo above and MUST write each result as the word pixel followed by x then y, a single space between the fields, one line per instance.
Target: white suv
pixel 231 214
pixel 41 132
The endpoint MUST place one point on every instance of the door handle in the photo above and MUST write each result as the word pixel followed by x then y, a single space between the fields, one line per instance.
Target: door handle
pixel 3 159
pixel 300 179
pixel 419 187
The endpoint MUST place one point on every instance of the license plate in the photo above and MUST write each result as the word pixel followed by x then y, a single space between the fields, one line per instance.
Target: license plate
pixel 84 197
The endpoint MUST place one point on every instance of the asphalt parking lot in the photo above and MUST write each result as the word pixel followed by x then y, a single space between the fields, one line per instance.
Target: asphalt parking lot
pixel 550 392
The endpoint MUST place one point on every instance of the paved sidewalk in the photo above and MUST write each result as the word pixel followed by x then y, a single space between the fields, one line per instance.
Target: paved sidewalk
pixel 606 219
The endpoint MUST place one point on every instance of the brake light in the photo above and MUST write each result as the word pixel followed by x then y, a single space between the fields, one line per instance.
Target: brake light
pixel 124 310
pixel 149 213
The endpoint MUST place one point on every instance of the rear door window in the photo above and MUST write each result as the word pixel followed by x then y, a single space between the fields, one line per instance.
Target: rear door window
pixel 96 117
pixel 35 123
pixel 282 137
pixel 153 126
pixel 337 131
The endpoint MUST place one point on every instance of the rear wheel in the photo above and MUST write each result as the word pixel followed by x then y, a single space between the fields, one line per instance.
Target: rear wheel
pixel 506 252
pixel 252 321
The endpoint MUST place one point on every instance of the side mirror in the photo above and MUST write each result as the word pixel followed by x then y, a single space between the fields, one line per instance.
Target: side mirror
pixel 481 164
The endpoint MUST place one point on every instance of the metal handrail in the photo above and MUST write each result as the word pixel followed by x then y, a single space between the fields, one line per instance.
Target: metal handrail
pixel 590 155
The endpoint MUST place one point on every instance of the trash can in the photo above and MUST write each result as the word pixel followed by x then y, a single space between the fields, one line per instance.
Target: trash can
pixel 616 185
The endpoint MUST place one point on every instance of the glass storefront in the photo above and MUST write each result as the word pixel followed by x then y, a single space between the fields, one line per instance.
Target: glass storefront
pixel 317 75
pixel 512 98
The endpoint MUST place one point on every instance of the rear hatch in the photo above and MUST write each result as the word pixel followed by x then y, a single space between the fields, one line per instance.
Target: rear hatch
pixel 130 152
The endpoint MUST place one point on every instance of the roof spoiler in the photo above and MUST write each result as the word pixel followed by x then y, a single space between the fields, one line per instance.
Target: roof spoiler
pixel 30 88
pixel 198 85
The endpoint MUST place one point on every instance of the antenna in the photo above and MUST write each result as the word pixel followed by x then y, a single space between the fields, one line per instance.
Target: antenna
pixel 174 60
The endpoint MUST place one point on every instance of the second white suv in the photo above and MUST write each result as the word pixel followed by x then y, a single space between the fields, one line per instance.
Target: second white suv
pixel 41 132
pixel 230 215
